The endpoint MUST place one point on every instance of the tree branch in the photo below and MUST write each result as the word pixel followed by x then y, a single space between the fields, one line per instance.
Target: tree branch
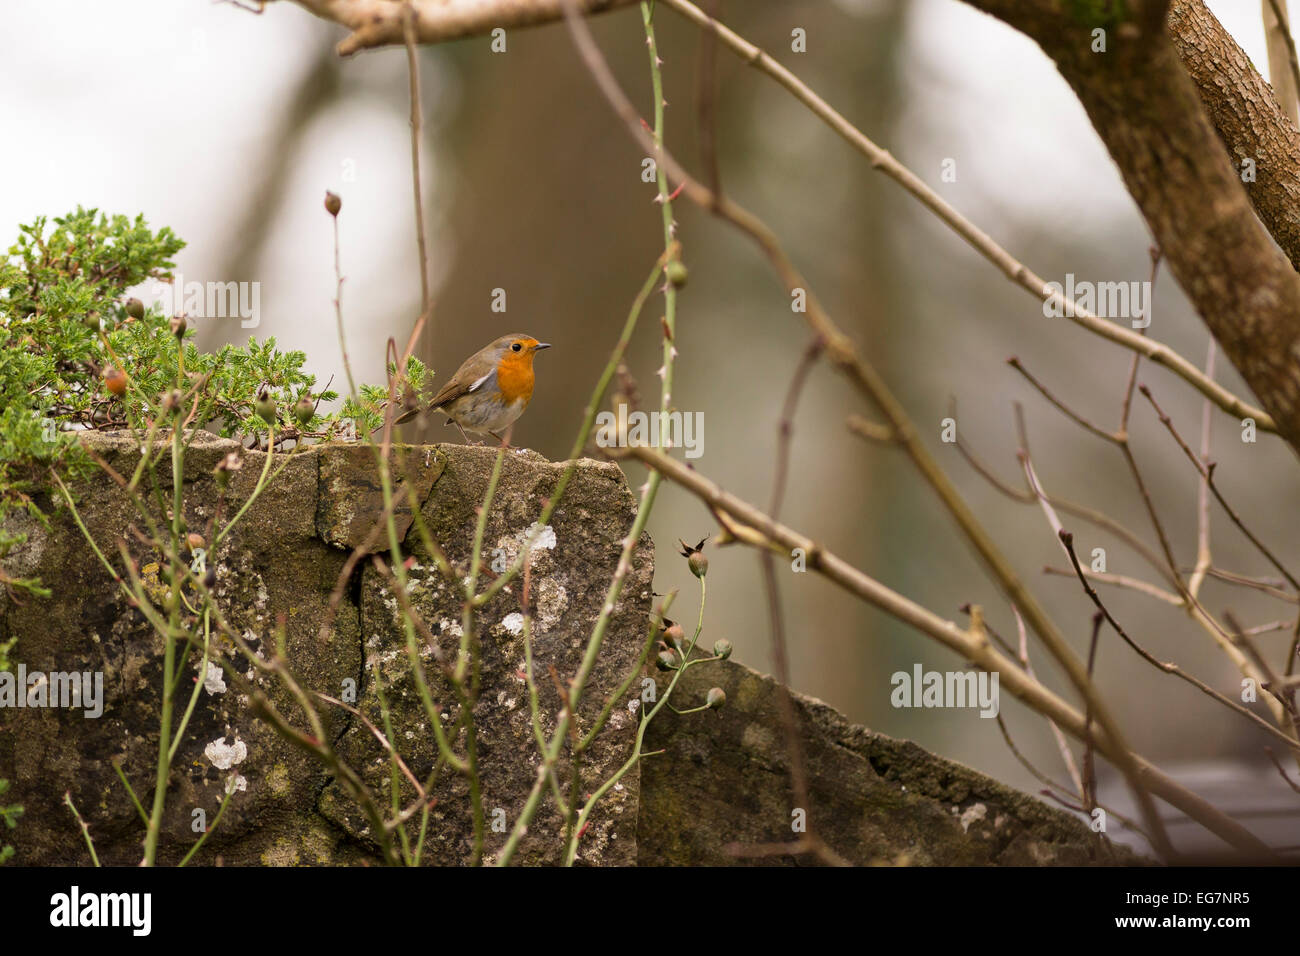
pixel 376 23
pixel 1246 115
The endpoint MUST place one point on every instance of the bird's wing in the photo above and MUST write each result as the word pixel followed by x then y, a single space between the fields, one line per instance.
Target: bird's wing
pixel 456 388
pixel 453 390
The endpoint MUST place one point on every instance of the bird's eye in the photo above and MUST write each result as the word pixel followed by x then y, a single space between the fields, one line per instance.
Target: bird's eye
pixel 516 347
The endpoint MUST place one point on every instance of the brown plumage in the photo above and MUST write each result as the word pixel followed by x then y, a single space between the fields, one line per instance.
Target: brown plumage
pixel 491 389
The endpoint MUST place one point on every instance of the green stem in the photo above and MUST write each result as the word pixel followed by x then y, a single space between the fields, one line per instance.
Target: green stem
pixel 665 201
pixel 169 661
pixel 144 817
pixel 164 746
pixel 261 483
pixel 85 830
pixel 198 685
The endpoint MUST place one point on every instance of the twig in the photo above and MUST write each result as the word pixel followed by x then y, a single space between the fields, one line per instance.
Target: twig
pixel 1169 667
pixel 767 564
pixel 1284 29
pixel 378 735
pixel 1203 555
pixel 338 305
pixel 706 97
pixel 1126 406
pixel 1269 586
pixel 1056 789
pixel 872 431
pixel 1282 770
pixel 1206 472
pixel 1078 419
pixel 1089 791
pixel 1190 602
pixel 409 17
pixel 1124 581
pixel 85 830
pixel 1062 745
pixel 1097 518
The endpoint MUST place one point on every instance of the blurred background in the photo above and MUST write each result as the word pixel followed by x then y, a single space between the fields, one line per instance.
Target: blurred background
pixel 229 127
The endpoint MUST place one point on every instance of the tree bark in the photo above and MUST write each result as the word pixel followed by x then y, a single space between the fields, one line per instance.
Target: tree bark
pixel 1249 120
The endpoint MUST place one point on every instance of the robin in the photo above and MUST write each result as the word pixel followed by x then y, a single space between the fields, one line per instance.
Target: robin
pixel 491 389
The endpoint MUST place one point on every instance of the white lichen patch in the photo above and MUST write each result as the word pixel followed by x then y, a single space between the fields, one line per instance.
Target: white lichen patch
pixel 214 681
pixel 513 623
pixel 378 658
pixel 509 546
pixel 973 813
pixel 223 755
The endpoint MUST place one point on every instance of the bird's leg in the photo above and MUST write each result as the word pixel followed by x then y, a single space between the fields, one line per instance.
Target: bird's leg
pixel 468 440
pixel 504 440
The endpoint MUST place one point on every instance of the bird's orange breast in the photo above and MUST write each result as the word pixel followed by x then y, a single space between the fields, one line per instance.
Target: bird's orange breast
pixel 515 377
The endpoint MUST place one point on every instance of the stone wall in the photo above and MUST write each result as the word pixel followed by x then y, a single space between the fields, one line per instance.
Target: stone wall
pixel 722 778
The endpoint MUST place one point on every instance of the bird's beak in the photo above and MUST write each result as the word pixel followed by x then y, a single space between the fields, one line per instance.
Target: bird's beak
pixel 541 345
